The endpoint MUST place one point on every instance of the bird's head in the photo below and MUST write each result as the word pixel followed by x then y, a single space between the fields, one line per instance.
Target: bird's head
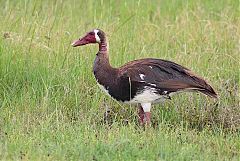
pixel 92 37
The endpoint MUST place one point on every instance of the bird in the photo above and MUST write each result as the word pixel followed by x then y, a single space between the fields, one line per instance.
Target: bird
pixel 144 81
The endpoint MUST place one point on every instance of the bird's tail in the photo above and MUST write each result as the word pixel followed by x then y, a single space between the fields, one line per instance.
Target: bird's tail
pixel 201 85
pixel 209 91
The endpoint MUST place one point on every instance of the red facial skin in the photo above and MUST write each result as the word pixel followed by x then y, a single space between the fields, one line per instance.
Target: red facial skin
pixel 87 39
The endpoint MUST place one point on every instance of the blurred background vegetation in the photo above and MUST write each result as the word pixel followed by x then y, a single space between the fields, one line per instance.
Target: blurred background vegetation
pixel 52 109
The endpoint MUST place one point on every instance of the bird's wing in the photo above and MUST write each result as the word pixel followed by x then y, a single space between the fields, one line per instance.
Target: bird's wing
pixel 166 76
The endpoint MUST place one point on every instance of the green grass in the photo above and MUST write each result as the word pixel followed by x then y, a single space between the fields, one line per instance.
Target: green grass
pixel 52 109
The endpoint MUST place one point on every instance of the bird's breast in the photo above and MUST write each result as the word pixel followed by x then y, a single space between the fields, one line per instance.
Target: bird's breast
pixel 117 90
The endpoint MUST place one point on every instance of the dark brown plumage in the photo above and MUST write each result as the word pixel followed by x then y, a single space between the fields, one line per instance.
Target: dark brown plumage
pixel 143 81
pixel 166 75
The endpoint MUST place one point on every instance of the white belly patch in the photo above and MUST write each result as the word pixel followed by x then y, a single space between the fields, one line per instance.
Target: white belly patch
pixel 148 95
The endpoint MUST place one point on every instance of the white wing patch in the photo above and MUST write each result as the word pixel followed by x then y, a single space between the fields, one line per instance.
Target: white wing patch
pixel 142 76
pixel 96 36
pixel 165 92
pixel 152 84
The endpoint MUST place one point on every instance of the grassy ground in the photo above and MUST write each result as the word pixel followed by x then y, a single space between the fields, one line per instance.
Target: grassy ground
pixel 51 108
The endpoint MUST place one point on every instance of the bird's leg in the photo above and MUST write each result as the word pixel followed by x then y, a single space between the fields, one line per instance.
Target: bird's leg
pixel 146 107
pixel 147 118
pixel 140 115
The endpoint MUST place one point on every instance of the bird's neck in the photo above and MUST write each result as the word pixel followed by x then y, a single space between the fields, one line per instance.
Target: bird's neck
pixel 102 67
pixel 102 55
pixel 103 46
